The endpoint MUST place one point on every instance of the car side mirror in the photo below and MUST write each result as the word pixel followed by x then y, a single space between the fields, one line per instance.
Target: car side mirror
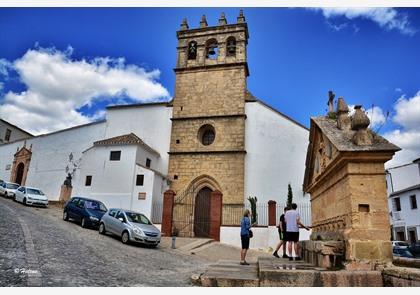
pixel 120 219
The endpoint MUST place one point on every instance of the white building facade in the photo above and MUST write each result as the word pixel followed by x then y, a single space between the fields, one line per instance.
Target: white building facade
pixel 124 160
pixel 403 184
pixel 276 147
pixel 10 132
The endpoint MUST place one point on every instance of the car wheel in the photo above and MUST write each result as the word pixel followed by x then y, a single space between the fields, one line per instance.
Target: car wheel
pixel 102 230
pixel 24 202
pixel 65 216
pixel 83 223
pixel 125 237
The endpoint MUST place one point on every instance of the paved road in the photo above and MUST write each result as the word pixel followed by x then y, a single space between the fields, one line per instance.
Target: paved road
pixel 38 248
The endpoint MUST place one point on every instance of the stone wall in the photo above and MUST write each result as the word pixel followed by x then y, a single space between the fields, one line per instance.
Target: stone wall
pixel 227 169
pixel 229 133
pixel 354 209
pixel 210 92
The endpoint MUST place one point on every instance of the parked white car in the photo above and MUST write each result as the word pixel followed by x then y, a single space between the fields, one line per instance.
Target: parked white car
pixel 8 189
pixel 31 196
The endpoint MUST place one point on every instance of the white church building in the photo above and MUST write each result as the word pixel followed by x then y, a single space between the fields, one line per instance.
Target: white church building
pixel 123 160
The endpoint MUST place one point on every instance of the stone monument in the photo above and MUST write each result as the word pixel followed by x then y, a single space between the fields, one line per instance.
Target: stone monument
pixel 66 189
pixel 345 176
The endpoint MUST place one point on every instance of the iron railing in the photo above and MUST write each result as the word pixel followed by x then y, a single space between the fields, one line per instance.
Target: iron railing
pixel 304 210
pixel 232 213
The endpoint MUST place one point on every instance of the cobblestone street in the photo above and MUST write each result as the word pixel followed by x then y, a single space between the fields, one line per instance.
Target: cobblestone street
pixel 38 248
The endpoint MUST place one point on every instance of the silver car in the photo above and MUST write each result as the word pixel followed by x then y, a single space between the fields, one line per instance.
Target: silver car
pixel 8 189
pixel 130 226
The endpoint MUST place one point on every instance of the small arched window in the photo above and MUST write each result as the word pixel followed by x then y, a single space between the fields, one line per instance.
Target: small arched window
pixel 212 49
pixel 192 50
pixel 231 46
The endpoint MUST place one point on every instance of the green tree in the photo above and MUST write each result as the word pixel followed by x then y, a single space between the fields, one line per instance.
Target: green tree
pixel 289 196
pixel 253 202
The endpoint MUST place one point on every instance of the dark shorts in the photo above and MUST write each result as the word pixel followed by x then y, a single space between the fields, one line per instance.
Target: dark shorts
pixel 292 236
pixel 245 242
pixel 282 235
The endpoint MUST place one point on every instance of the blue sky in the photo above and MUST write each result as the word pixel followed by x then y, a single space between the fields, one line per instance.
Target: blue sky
pixel 295 56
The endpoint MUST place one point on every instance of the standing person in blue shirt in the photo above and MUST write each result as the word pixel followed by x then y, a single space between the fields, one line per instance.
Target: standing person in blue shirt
pixel 245 227
pixel 292 230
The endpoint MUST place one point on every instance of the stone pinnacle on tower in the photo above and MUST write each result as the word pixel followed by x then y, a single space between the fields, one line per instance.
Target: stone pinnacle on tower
pixel 203 22
pixel 241 17
pixel 184 24
pixel 222 20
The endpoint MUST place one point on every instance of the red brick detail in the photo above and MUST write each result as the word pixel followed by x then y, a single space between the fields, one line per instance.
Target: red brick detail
pixel 168 206
pixel 272 219
pixel 215 214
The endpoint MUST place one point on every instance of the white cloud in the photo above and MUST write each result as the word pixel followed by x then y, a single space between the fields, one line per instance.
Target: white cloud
pixel 336 28
pixel 5 65
pixel 376 117
pixel 408 112
pixel 408 137
pixel 385 17
pixel 409 142
pixel 58 85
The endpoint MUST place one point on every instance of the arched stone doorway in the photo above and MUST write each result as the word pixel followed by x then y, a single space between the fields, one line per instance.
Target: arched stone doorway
pixel 202 213
pixel 19 173
pixel 21 162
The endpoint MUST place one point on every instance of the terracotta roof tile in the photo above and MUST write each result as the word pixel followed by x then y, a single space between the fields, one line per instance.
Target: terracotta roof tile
pixel 126 139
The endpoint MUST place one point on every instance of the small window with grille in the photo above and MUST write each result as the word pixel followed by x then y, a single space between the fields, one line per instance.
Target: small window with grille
pixel 115 156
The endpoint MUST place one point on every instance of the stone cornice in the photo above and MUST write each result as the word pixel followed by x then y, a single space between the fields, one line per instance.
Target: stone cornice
pixel 209 117
pixel 215 66
pixel 345 158
pixel 208 152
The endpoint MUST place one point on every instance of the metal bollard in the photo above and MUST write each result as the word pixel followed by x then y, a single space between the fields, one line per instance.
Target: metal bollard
pixel 173 242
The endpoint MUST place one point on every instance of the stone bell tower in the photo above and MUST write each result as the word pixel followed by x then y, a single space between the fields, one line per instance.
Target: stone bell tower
pixel 207 148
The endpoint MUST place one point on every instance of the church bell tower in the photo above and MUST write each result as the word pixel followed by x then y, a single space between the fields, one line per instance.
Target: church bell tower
pixel 207 149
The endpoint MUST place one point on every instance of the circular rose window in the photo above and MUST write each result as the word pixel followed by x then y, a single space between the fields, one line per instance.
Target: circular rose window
pixel 206 134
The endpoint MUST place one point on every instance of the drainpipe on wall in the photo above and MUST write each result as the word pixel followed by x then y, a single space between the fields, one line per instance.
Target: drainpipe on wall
pixel 132 182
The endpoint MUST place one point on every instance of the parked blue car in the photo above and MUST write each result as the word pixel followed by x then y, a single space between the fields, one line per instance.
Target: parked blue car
pixel 86 211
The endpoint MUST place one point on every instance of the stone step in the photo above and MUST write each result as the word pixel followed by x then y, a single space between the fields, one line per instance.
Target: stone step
pixel 278 273
pixel 274 272
pixel 195 244
pixel 228 273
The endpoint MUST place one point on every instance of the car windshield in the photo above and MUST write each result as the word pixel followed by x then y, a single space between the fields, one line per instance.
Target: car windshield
pixel 95 205
pixel 402 244
pixel 137 218
pixel 33 191
pixel 12 185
